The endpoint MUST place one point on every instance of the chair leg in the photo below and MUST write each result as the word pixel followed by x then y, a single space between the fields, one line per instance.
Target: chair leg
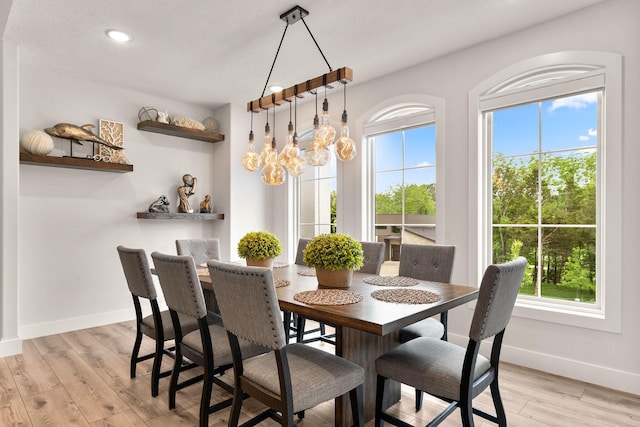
pixel 155 371
pixel 380 386
pixel 173 385
pixel 418 400
pixel 357 411
pixel 322 329
pixel 300 326
pixel 286 321
pixel 238 397
pixel 134 353
pixel 466 412
pixel 497 403
pixel 205 400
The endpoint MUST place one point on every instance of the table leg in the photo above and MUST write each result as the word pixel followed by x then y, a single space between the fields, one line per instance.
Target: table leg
pixel 364 348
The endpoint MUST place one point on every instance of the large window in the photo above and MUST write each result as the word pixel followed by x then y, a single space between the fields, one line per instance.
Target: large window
pixel 544 163
pixel 402 166
pixel 546 133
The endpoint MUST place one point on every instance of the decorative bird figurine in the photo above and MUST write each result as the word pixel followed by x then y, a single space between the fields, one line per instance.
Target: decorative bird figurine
pixel 78 133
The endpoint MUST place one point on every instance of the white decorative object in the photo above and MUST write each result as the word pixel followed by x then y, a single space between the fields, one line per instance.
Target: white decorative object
pixel 37 143
pixel 163 117
pixel 112 132
pixel 210 124
pixel 186 122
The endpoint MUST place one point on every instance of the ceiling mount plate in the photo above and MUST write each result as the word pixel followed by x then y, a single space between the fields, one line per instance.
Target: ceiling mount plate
pixel 293 15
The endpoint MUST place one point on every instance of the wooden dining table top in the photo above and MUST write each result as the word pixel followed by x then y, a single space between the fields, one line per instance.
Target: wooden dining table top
pixel 368 315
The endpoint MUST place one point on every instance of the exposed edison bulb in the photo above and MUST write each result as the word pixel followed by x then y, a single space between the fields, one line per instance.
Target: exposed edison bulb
pixel 273 172
pixel 315 155
pixel 266 148
pixel 251 160
pixel 345 147
pixel 326 133
pixel 288 151
pixel 297 164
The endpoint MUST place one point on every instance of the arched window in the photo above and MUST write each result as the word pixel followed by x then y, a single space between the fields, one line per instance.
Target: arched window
pixel 549 139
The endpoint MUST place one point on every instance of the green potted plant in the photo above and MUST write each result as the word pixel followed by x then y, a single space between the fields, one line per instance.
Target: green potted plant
pixel 334 257
pixel 259 248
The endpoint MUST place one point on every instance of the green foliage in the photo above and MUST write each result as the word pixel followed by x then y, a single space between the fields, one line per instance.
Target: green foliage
pixel 259 245
pixel 565 186
pixel 418 199
pixel 334 252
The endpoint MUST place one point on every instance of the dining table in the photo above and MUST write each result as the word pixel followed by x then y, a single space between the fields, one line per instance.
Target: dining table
pixel 366 323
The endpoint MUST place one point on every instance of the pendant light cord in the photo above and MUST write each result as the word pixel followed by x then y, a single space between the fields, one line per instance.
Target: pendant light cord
pixel 274 60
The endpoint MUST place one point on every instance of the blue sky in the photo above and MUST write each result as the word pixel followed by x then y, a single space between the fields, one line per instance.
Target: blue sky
pixel 419 151
pixel 567 123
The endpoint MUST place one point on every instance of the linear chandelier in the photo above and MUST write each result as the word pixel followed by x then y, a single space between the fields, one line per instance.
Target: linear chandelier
pixel 275 166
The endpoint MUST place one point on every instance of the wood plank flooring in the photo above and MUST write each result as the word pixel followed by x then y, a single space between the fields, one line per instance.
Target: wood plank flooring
pixel 81 378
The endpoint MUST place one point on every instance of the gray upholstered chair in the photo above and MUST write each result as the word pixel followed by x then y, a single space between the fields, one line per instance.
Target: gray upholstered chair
pixel 291 322
pixel 454 373
pixel 373 257
pixel 201 250
pixel 302 243
pixel 433 263
pixel 207 346
pixel 157 325
pixel 373 253
pixel 292 377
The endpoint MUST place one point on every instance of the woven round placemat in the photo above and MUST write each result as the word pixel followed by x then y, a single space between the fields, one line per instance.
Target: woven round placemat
pixel 390 281
pixel 328 297
pixel 280 283
pixel 307 272
pixel 279 264
pixel 202 271
pixel 406 296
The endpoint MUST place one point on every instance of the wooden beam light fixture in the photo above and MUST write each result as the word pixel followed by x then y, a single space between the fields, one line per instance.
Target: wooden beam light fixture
pixel 317 153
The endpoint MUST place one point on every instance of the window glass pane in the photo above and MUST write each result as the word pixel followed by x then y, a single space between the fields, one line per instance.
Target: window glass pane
pixel 569 188
pixel 388 151
pixel 570 122
pixel 420 192
pixel 511 242
pixel 515 130
pixel 420 147
pixel 515 190
pixel 307 202
pixel 389 193
pixel 568 264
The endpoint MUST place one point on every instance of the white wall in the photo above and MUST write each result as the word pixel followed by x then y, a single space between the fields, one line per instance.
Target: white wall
pixel 70 221
pixel 604 358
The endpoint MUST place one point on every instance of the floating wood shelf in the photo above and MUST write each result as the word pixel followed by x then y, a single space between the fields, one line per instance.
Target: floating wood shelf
pixel 74 163
pixel 182 132
pixel 176 215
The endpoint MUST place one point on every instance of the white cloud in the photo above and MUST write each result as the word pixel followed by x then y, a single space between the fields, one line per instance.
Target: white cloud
pixel 584 138
pixel 578 101
pixel 593 132
pixel 423 164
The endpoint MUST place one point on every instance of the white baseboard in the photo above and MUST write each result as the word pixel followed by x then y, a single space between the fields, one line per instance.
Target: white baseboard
pixel 10 347
pixel 604 376
pixel 76 323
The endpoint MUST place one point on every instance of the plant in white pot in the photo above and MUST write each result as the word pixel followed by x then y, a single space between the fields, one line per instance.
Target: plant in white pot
pixel 259 248
pixel 335 257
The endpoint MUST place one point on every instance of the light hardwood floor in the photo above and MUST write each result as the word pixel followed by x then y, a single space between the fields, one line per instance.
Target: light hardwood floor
pixel 81 378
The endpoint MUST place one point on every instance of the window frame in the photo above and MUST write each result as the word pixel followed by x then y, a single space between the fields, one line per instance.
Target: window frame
pixel 383 118
pixel 578 71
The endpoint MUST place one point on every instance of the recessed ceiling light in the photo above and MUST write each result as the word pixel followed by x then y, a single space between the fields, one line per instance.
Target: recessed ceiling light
pixel 275 88
pixel 119 36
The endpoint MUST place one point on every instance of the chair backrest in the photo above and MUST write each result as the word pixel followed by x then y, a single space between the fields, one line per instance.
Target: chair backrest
pixel 248 303
pixel 302 243
pixel 180 284
pixel 136 271
pixel 427 262
pixel 496 299
pixel 201 250
pixel 373 257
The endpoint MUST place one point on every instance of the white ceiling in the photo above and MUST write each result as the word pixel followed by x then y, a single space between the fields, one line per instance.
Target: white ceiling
pixel 212 52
